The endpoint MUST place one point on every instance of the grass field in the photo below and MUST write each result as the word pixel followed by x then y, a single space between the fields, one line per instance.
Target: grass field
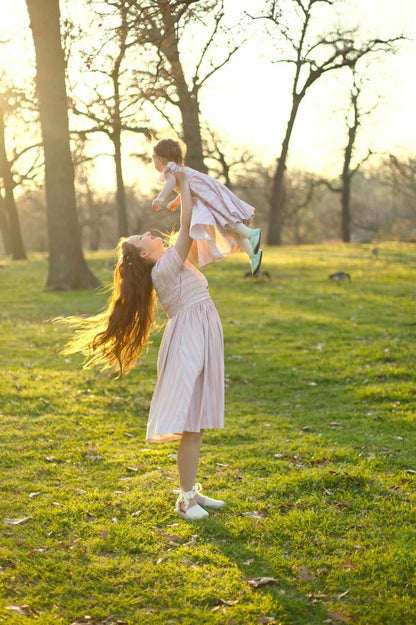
pixel 317 462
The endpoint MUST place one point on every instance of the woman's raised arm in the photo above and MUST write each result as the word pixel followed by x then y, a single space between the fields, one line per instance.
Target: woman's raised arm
pixel 184 241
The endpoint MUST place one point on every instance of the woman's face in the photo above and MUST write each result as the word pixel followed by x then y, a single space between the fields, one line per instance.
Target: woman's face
pixel 146 243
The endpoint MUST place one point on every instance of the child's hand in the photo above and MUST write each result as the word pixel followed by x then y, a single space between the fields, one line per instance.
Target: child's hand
pixel 174 205
pixel 157 204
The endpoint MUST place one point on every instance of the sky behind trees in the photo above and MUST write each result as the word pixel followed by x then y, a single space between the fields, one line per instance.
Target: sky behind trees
pixel 247 101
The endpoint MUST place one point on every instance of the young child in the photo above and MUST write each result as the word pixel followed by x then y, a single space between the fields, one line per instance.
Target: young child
pixel 219 217
pixel 189 393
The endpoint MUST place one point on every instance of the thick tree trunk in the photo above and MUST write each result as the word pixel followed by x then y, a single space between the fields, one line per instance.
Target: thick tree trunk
pixel 274 236
pixel 67 266
pixel 191 130
pixel 14 230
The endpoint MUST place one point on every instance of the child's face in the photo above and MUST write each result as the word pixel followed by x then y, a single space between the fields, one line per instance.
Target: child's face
pixel 159 162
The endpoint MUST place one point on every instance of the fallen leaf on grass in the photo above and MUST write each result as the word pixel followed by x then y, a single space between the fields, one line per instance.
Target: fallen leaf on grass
pixel 21 521
pixel 410 472
pixel 172 539
pixel 35 550
pixel 307 428
pixel 256 514
pixel 32 495
pixel 316 596
pixel 255 582
pixel 80 491
pixel 220 601
pixel 191 564
pixel 266 619
pixel 23 610
pixel 191 542
pixel 136 514
pixel 53 459
pixel 135 469
pixel 343 594
pixel 343 503
pixel 305 575
pixel 88 620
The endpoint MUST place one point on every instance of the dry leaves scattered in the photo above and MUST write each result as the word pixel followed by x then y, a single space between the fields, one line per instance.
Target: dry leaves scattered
pixel 21 521
pixel 255 582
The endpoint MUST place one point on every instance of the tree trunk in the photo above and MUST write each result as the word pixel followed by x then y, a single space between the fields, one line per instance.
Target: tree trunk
pixel 191 130
pixel 67 267
pixel 15 233
pixel 274 236
pixel 345 210
pixel 121 192
pixel 346 185
pixel 4 228
pixel 188 100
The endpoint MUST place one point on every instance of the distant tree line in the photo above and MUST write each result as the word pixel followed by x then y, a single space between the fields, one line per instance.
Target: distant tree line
pixel 108 81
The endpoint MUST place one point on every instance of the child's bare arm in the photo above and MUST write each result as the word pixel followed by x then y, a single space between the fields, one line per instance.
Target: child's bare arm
pixel 165 192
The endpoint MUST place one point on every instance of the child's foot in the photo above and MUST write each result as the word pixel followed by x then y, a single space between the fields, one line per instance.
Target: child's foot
pixel 256 262
pixel 255 236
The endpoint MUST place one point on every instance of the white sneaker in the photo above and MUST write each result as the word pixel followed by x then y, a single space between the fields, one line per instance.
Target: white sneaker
pixel 203 500
pixel 187 512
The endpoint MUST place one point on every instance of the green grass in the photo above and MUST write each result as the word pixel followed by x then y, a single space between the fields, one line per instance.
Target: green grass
pixel 316 461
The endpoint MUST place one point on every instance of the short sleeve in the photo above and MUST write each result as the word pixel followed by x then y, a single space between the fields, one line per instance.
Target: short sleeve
pixel 168 267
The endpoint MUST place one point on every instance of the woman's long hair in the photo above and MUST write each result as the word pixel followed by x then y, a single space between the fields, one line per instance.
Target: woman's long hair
pixel 116 337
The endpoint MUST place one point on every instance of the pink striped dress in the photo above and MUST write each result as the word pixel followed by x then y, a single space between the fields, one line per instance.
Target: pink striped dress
pixel 189 393
pixel 214 207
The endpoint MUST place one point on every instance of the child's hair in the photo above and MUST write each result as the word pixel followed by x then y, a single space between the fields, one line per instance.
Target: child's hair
pixel 116 337
pixel 170 150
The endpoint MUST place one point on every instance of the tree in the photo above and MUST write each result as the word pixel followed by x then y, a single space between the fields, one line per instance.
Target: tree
pixel 353 120
pixel 67 266
pixel 312 58
pixel 162 24
pixel 224 158
pixel 112 105
pixel 11 227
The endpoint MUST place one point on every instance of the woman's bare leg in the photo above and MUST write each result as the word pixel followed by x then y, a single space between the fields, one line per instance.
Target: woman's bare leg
pixel 188 460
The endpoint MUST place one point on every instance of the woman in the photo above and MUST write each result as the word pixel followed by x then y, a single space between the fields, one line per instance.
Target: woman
pixel 189 394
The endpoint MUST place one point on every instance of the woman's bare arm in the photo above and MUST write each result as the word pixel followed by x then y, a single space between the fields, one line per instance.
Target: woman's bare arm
pixel 184 241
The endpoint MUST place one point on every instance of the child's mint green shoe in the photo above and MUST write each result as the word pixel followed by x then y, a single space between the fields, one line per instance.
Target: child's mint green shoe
pixel 256 262
pixel 255 236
